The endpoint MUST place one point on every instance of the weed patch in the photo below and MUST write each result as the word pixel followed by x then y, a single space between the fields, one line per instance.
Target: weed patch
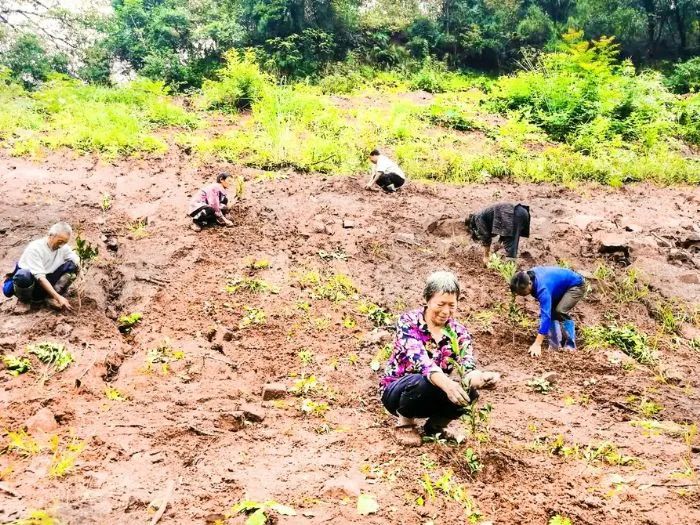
pixel 626 338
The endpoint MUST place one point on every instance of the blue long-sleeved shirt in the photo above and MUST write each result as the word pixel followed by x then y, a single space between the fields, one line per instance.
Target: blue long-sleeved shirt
pixel 551 283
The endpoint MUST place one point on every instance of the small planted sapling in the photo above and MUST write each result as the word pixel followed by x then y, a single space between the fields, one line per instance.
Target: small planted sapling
pixel 127 322
pixel 87 254
pixel 54 355
pixel 16 365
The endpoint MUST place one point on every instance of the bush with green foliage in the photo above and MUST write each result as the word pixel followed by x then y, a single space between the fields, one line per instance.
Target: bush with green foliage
pixel 240 83
pixel 685 76
pixel 30 63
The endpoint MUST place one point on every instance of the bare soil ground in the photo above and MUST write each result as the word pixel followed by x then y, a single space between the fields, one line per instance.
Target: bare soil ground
pixel 185 426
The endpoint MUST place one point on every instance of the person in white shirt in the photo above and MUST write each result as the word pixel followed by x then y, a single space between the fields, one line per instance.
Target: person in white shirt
pixel 45 270
pixel 385 173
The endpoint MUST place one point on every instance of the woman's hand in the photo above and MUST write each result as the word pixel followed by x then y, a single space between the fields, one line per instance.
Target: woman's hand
pixel 536 349
pixel 455 393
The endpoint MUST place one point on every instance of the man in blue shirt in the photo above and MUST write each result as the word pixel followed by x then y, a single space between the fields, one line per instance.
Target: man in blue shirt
pixel 557 290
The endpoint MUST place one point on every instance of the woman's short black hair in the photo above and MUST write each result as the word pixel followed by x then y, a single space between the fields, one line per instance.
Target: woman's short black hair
pixel 374 152
pixel 222 176
pixel 520 282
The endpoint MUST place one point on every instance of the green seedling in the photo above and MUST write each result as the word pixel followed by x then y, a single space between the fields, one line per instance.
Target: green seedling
pixel 353 358
pixel 37 517
pixel 22 443
pixel 540 385
pixel 86 251
pixel 377 315
pixel 506 269
pixel 260 264
pixel 105 202
pixel 446 487
pixel 138 228
pixel 473 461
pixel 250 285
pixel 163 355
pixel 259 513
pixel 54 355
pixel 252 316
pixel 382 355
pixel 559 520
pixel 16 365
pixel 65 457
pixel 113 394
pixel 314 408
pixel 304 386
pixel 239 187
pixel 335 255
pixel 306 357
pixel 478 419
pixel 349 322
pixel 336 287
pixel 126 323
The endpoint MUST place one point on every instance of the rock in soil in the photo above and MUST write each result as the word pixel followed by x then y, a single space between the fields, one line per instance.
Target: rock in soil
pixel 233 421
pixel 690 278
pixel 42 421
pixel 253 413
pixel 339 488
pixel 210 334
pixel 550 377
pixel 348 224
pixel 274 391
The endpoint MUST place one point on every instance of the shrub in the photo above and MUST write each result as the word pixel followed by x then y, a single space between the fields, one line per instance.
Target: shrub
pixel 685 76
pixel 627 338
pixel 240 83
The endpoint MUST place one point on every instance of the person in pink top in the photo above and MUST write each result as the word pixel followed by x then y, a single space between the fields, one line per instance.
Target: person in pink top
pixel 210 204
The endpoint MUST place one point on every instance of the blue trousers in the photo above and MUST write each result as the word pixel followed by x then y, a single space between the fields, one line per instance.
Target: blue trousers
pixel 26 287
pixel 413 396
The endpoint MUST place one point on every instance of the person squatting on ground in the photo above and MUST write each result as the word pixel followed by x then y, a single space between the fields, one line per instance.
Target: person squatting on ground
pixel 509 221
pixel 210 204
pixel 417 382
pixel 385 173
pixel 45 270
pixel 557 290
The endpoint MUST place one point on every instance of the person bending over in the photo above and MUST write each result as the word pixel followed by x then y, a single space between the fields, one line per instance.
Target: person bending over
pixel 432 371
pixel 385 173
pixel 509 221
pixel 210 204
pixel 45 270
pixel 557 290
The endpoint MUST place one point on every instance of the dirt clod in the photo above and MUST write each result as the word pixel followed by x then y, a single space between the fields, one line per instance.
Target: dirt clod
pixel 42 421
pixel 273 391
pixel 339 488
pixel 253 413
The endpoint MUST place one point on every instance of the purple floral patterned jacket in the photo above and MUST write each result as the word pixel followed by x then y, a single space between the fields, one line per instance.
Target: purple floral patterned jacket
pixel 415 351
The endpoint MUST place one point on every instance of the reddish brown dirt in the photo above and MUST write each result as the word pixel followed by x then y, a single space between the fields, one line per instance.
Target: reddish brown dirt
pixel 182 426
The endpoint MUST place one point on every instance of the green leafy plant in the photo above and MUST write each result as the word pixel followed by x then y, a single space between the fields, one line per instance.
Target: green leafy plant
pixel 506 269
pixel 64 458
pixel 473 461
pixel 37 517
pixel 105 202
pixel 478 418
pixel 250 285
pixel 126 323
pixel 16 365
pixel 259 512
pixel 252 316
pixel 113 394
pixel 557 519
pixel 336 255
pixel 163 355
pixel 314 408
pixel 55 355
pixel 138 228
pixel 626 338
pixel 86 251
pixel 540 385
pixel 381 357
pixel 377 315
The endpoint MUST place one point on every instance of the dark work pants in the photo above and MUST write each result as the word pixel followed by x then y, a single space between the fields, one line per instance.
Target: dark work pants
pixel 205 215
pixel 521 222
pixel 27 288
pixel 572 296
pixel 386 179
pixel 413 396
